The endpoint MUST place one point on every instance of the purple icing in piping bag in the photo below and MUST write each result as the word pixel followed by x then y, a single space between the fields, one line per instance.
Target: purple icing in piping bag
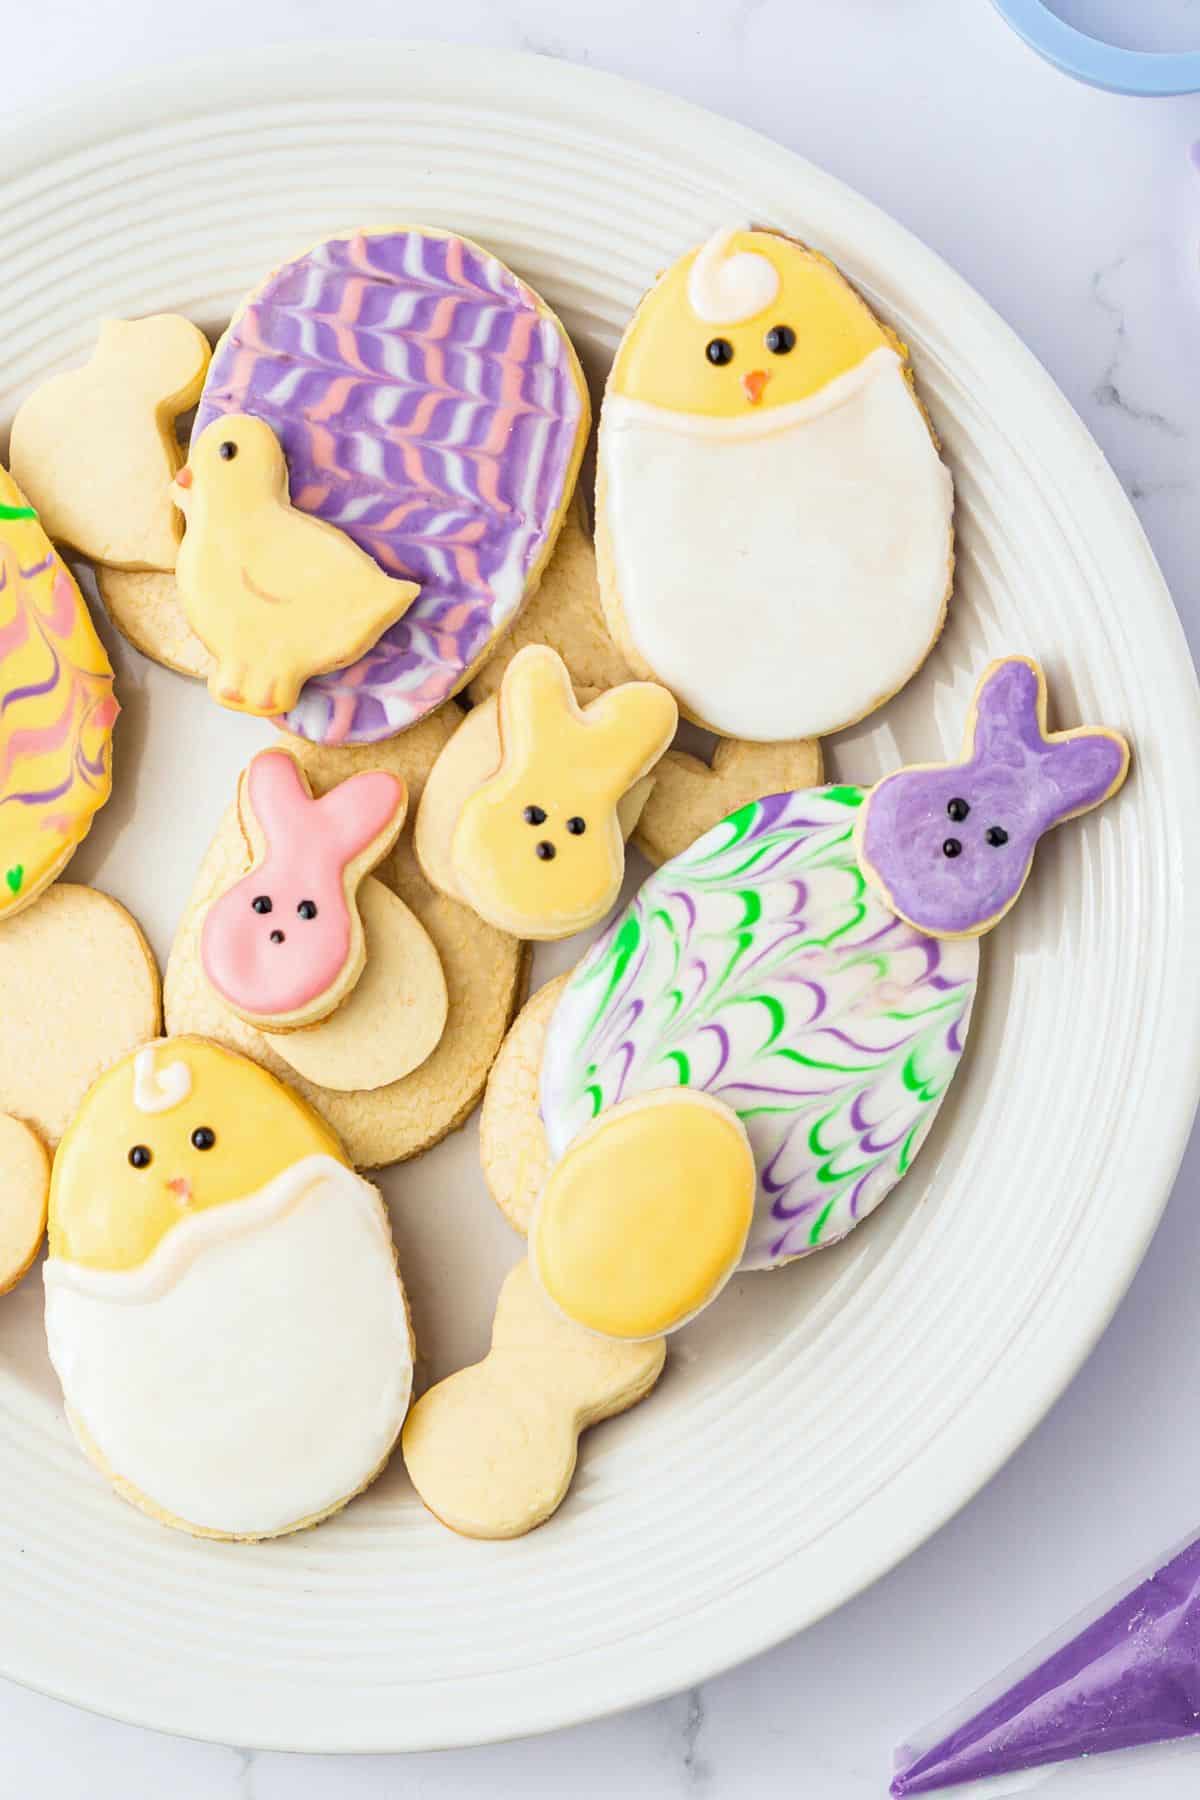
pixel 1129 1678
pixel 949 845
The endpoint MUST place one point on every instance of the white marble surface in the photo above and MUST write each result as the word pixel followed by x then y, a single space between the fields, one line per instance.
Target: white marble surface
pixel 1077 216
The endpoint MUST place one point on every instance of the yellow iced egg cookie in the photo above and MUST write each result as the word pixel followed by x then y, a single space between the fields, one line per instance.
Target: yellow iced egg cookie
pixel 773 519
pixel 223 1307
pixel 57 708
pixel 643 1221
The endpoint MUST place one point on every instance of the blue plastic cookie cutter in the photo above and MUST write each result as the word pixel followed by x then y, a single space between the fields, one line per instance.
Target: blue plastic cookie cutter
pixel 1146 72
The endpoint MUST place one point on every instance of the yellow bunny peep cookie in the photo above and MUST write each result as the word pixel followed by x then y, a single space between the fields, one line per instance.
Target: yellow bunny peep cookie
pixel 24 1186
pixel 492 1449
pixel 773 521
pixel 78 990
pixel 273 593
pixel 538 848
pixel 95 448
pixel 223 1307
pixel 470 758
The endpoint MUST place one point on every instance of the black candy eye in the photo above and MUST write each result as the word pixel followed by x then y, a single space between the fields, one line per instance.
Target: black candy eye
pixel 995 835
pixel 227 451
pixel 534 815
pixel 204 1137
pixel 951 847
pixel 780 339
pixel 576 826
pixel 277 937
pixel 307 909
pixel 261 903
pixel 546 851
pixel 958 810
pixel 140 1157
pixel 719 351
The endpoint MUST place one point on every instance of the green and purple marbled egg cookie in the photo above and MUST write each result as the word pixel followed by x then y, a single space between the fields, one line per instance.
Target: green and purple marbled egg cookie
pixel 760 968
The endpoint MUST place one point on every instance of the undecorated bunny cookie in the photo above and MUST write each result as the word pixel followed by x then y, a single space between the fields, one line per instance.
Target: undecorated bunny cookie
pixel 689 795
pixel 537 847
pixel 95 448
pixel 492 1449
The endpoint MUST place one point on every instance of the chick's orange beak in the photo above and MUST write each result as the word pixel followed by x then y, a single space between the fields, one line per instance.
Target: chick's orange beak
pixel 184 478
pixel 753 383
pixel 182 1189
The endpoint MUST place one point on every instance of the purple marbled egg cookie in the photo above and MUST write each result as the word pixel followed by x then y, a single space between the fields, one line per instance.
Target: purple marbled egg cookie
pixel 431 407
pixel 948 845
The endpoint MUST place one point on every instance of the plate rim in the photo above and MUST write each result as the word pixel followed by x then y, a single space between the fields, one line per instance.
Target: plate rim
pixel 762 1612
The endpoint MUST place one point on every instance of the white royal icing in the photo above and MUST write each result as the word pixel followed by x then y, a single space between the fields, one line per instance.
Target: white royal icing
pixel 158 1090
pixel 724 289
pixel 257 1367
pixel 783 572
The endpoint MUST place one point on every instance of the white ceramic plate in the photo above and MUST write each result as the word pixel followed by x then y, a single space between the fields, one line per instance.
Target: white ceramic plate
pixel 819 1422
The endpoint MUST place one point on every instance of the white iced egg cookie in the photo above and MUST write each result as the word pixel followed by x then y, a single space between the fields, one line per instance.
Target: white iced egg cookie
pixel 773 528
pixel 223 1307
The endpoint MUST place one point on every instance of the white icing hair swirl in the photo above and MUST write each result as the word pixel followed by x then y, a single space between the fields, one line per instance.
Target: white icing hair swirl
pixel 723 289
pixel 158 1090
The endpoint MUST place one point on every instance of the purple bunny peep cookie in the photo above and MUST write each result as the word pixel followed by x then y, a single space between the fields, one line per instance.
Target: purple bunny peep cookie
pixel 948 846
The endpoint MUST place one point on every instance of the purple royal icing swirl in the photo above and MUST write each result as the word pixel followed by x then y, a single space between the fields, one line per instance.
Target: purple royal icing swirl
pixel 760 967
pixel 432 410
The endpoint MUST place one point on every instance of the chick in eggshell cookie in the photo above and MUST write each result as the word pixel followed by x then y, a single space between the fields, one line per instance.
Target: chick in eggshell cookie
pixel 222 1302
pixel 774 529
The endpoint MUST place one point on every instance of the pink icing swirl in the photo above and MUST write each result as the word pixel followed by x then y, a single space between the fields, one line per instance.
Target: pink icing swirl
pixel 429 408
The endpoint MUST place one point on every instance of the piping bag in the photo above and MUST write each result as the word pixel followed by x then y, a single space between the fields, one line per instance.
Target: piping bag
pixel 1122 1675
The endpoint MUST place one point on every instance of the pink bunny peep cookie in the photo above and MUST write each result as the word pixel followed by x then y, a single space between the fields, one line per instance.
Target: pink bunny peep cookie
pixel 949 846
pixel 284 946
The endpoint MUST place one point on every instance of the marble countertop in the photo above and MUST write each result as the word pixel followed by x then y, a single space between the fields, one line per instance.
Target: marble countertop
pixel 1077 215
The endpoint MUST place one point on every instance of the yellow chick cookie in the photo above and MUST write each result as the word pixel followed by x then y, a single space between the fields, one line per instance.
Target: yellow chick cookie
pixel 773 519
pixel 95 448
pixel 273 594
pixel 222 1302
pixel 538 849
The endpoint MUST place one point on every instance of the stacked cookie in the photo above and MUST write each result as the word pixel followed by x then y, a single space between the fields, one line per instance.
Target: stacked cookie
pixel 375 542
